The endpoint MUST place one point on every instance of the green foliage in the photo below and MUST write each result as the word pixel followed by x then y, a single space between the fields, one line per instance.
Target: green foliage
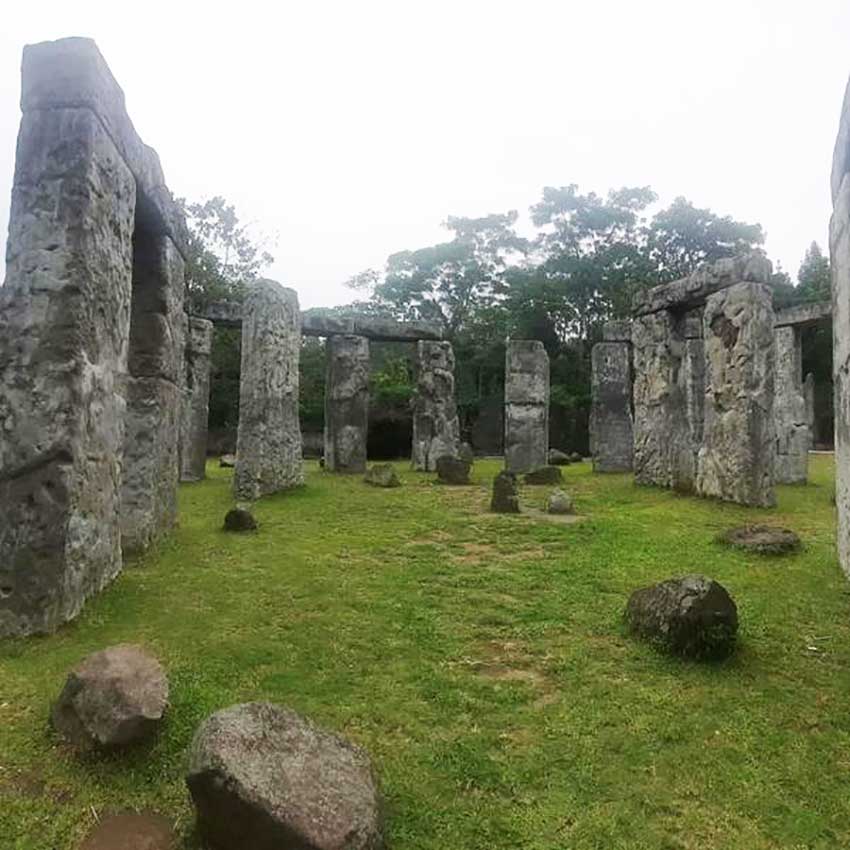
pixel 479 659
pixel 814 280
pixel 391 385
pixel 313 375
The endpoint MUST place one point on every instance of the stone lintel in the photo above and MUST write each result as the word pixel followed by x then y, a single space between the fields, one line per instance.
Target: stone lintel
pixel 804 314
pixel 709 278
pixel 71 73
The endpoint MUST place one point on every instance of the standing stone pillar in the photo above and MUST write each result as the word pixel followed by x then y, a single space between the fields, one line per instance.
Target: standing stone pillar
pixel 526 405
pixel 346 403
pixel 692 386
pixel 151 466
pixel 737 459
pixel 436 428
pixel 809 395
pixel 611 424
pixel 789 406
pixel 196 400
pixel 839 249
pixel 268 442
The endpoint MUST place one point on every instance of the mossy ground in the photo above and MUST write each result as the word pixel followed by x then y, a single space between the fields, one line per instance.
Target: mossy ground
pixel 481 660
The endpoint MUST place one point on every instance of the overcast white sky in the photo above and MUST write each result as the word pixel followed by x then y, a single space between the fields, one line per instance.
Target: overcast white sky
pixel 353 129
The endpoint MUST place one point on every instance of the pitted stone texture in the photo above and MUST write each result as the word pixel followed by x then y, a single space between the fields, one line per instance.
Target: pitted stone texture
pixel 611 424
pixel 268 443
pixel 113 698
pixel 664 453
pixel 64 324
pixel 839 246
pixel 617 330
pixel 789 409
pixel 436 428
pixel 559 502
pixel 264 778
pixel 505 499
pixel 709 278
pixel 196 400
pixel 346 403
pixel 154 397
pixel 453 470
pixel 737 458
pixel 526 405
pixel 382 475
pixel 809 396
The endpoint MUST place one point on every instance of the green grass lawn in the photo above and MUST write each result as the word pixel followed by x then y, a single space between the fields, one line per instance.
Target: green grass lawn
pixel 481 661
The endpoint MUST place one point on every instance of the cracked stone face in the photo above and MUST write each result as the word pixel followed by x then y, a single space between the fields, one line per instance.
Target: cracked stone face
pixel 790 409
pixel 526 406
pixel 611 425
pixel 347 403
pixel 268 443
pixel 737 457
pixel 436 428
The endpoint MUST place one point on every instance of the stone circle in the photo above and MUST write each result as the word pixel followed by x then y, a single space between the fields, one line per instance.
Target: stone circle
pixel 113 698
pixel 263 777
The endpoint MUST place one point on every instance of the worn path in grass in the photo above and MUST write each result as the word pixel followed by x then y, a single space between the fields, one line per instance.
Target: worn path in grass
pixel 482 663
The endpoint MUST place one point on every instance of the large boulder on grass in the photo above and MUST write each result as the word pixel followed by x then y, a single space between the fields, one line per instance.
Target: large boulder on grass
pixel 692 616
pixel 112 698
pixel 505 498
pixel 559 502
pixel 263 777
pixel 239 519
pixel 544 475
pixel 382 475
pixel 453 470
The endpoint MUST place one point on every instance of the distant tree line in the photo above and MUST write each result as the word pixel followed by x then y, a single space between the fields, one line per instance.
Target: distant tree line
pixel 583 264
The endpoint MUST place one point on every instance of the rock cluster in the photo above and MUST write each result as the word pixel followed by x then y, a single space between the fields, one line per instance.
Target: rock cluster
pixel 262 777
pixel 692 616
pixel 113 698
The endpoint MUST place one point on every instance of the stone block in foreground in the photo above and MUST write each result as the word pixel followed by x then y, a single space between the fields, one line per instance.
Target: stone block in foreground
pixel 265 778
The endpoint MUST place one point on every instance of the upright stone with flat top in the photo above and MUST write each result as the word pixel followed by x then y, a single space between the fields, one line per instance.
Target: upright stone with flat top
pixel 196 400
pixel 611 425
pixel 792 428
pixel 526 405
pixel 347 403
pixel 839 249
pixel 436 429
pixel 93 273
pixel 737 458
pixel 268 443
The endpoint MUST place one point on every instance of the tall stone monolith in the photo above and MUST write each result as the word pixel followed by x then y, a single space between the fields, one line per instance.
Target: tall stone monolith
pixel 92 226
pixel 268 443
pixel 839 246
pixel 196 399
pixel 436 428
pixel 526 405
pixel 789 408
pixel 611 423
pixel 346 403
pixel 737 458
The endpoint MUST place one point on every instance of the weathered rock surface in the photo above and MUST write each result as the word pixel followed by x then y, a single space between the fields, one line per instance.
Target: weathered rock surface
pixel 113 698
pixel 196 400
pixel 239 519
pixel 436 428
pixel 763 539
pixel 839 247
pixel 466 453
pixel 789 409
pixel 544 475
pixel 382 475
pixel 559 502
pixel 505 499
pixel 262 777
pixel 611 425
pixel 526 405
pixel 617 330
pixel 227 461
pixel 575 457
pixel 268 444
pixel 131 831
pixel 558 458
pixel 453 470
pixel 737 458
pixel 692 616
pixel 347 404
pixel 84 182
pixel 809 396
